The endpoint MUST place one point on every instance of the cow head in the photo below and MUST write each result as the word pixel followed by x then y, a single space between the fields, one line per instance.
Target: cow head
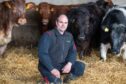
pixel 11 13
pixel 79 26
pixel 18 8
pixel 16 11
pixel 104 4
pixel 45 10
pixel 117 35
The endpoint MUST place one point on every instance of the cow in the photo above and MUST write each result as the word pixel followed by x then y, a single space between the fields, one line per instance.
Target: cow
pixel 11 13
pixel 113 33
pixel 84 24
pixel 45 10
pixel 27 35
pixel 49 12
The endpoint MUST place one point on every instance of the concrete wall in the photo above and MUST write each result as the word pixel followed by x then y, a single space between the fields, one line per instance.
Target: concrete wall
pixel 59 2
pixel 119 2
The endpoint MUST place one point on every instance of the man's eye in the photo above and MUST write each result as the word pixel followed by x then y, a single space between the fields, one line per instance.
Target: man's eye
pixel 60 22
pixel 63 22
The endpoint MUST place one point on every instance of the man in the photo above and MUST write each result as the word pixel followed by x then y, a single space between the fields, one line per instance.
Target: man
pixel 57 54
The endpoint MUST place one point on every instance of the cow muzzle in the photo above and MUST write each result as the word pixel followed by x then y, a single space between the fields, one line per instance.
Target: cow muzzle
pixel 22 21
pixel 81 37
pixel 116 51
pixel 45 21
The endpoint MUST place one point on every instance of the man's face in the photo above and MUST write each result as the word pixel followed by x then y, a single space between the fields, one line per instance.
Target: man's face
pixel 62 23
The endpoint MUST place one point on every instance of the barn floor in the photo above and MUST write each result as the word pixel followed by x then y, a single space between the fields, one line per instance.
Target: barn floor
pixel 19 66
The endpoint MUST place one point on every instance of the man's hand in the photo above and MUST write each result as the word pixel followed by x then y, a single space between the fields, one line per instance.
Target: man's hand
pixel 67 68
pixel 56 73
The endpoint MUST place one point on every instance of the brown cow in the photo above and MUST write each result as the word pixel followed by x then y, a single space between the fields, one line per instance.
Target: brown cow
pixel 11 13
pixel 45 10
pixel 49 12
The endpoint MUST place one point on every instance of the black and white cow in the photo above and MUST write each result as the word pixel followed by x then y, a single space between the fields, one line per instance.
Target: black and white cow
pixel 113 32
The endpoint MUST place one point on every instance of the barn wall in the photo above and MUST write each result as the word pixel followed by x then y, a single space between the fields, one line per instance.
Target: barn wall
pixel 58 2
pixel 119 2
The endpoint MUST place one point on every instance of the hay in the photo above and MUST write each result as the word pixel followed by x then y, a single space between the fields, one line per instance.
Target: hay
pixel 20 67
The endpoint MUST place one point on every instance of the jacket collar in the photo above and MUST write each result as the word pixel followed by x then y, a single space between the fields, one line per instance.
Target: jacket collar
pixel 58 33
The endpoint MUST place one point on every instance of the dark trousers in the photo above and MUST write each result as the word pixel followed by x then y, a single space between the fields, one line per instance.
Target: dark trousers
pixel 77 70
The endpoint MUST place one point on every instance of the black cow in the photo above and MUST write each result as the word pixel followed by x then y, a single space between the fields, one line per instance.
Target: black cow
pixel 113 32
pixel 84 24
pixel 28 34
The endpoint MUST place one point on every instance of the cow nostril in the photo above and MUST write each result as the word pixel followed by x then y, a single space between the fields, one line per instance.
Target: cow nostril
pixel 115 51
pixel 82 38
pixel 45 20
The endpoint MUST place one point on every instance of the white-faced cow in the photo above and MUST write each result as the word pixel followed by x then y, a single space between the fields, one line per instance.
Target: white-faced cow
pixel 11 12
pixel 113 32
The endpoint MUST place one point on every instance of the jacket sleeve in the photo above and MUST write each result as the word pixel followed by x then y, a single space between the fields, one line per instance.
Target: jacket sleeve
pixel 43 51
pixel 72 53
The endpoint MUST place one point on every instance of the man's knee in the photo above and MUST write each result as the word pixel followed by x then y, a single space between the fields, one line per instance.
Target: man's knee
pixel 78 68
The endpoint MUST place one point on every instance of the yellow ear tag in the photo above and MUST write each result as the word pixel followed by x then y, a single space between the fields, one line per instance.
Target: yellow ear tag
pixel 106 29
pixel 28 6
